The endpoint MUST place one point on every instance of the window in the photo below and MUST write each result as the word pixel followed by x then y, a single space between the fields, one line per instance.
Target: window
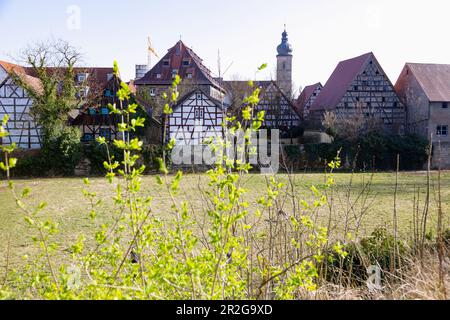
pixel 109 76
pixel 174 73
pixel 395 104
pixel 384 99
pixel 158 76
pixel 82 77
pixel 105 111
pixel 152 92
pixel 108 93
pixel 355 88
pixel 92 111
pixel 199 96
pixel 87 137
pixel 189 76
pixel 186 62
pixel 166 63
pixel 442 130
pixel 105 133
pixel 445 105
pixel 82 93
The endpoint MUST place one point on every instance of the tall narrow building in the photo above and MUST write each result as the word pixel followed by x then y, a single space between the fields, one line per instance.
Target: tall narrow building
pixel 284 65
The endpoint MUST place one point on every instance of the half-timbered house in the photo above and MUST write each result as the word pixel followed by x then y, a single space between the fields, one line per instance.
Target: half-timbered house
pixel 360 85
pixel 182 61
pixel 94 118
pixel 15 103
pixel 197 118
pixel 307 99
pixel 280 112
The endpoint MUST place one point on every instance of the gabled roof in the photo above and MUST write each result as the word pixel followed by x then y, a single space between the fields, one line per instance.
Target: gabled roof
pixel 175 56
pixel 306 94
pixel 191 93
pixel 433 78
pixel 10 67
pixel 340 81
pixel 97 75
pixel 24 73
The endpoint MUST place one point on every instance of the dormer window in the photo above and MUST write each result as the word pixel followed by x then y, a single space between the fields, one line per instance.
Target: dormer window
pixel 166 63
pixel 82 77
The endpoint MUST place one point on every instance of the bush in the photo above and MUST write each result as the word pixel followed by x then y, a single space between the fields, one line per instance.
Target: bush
pixel 376 250
pixel 374 150
pixel 31 166
pixel 62 152
pixel 151 155
pixel 97 154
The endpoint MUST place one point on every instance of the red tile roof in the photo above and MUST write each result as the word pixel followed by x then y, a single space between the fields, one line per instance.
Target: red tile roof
pixel 98 76
pixel 24 73
pixel 340 81
pixel 433 78
pixel 175 58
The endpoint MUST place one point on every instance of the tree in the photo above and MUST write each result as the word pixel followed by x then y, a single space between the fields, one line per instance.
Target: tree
pixel 352 125
pixel 57 93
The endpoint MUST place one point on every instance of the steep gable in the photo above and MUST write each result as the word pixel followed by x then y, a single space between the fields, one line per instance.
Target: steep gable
pixel 340 81
pixel 307 98
pixel 183 61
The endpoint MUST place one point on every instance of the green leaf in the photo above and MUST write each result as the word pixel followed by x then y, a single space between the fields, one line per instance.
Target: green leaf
pixel 262 67
pixel 116 69
pixel 29 220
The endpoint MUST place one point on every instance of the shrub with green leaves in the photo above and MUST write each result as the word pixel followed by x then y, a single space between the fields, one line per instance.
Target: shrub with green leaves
pixel 241 249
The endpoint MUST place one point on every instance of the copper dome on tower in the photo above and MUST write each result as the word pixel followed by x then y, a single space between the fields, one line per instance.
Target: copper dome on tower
pixel 285 48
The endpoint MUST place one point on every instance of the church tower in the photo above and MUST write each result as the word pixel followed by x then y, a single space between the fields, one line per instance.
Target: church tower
pixel 284 65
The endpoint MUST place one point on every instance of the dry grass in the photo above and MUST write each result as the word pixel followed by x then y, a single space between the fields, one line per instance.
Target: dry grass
pixel 68 207
pixel 417 282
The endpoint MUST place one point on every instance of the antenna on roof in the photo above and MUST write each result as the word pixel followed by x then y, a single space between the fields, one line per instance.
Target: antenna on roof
pixel 219 64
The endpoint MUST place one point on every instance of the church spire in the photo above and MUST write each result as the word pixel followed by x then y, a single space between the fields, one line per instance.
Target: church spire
pixel 284 64
pixel 284 49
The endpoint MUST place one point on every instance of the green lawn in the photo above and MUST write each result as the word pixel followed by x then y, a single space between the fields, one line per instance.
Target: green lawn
pixel 68 207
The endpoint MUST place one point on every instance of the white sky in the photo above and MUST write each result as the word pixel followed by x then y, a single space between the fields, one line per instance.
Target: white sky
pixel 322 32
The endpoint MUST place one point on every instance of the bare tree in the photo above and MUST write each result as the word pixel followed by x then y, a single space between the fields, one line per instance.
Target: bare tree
pixel 351 125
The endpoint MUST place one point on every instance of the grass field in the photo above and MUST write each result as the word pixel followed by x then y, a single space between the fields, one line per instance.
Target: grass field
pixel 68 207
